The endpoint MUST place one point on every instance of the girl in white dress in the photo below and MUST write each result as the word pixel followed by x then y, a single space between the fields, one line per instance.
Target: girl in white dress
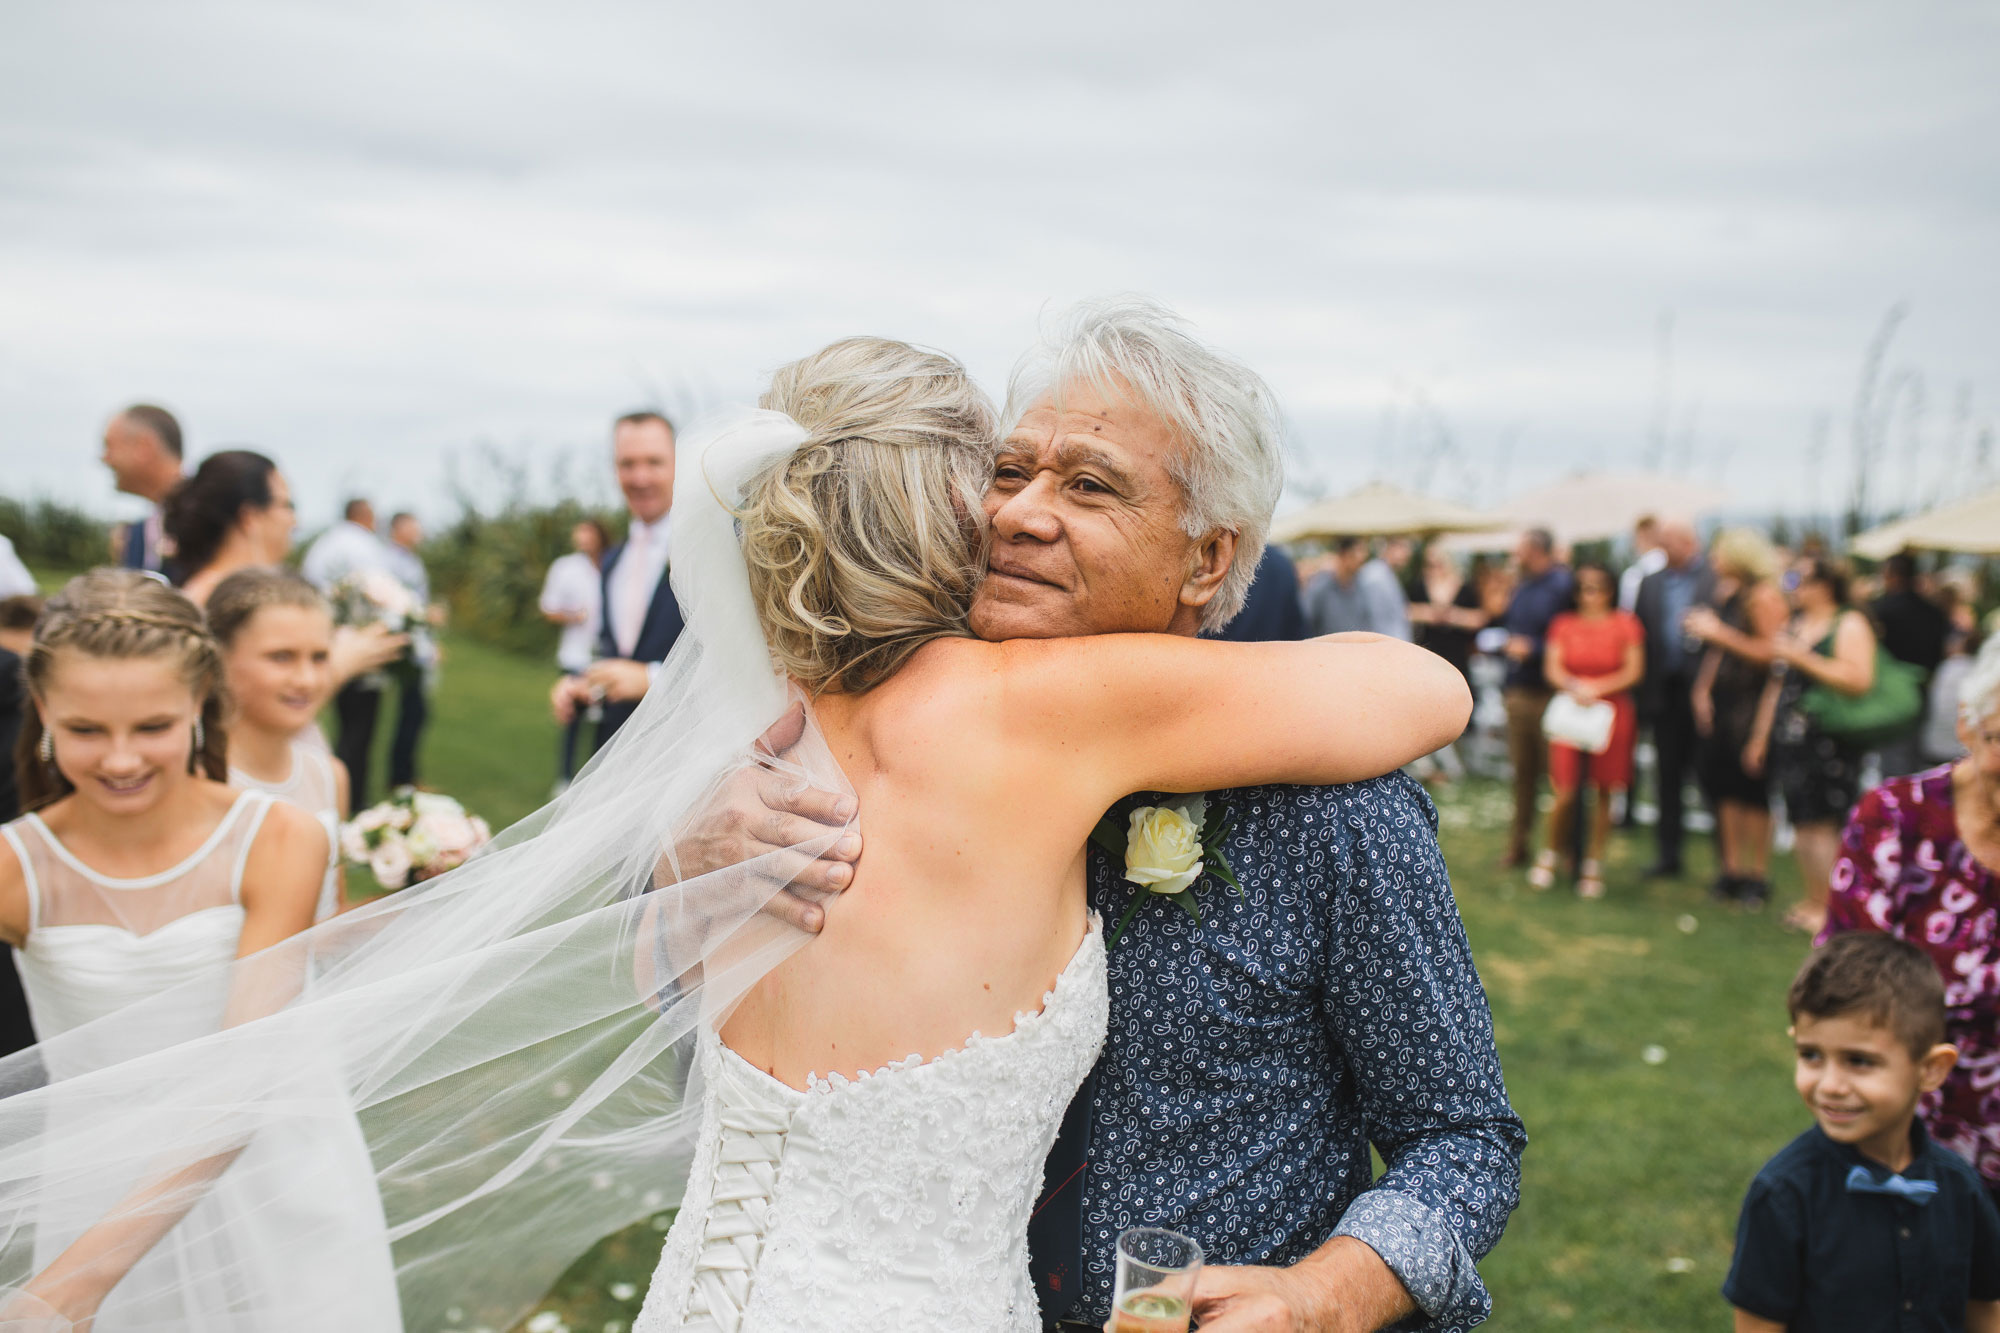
pixel 139 870
pixel 276 632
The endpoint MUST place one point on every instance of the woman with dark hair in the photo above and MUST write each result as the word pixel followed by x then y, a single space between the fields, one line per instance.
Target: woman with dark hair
pixel 1595 655
pixel 234 513
pixel 1830 644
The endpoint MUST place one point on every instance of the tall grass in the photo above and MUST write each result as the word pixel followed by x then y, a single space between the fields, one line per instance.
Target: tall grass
pixel 51 534
pixel 488 564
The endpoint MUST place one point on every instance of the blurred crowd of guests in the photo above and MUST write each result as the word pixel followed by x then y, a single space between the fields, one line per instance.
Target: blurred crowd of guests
pixel 235 512
pixel 1713 655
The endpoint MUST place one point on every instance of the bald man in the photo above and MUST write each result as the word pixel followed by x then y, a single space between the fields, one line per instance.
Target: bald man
pixel 142 447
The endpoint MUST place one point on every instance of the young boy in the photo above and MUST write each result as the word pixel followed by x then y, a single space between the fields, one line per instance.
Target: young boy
pixel 1862 1222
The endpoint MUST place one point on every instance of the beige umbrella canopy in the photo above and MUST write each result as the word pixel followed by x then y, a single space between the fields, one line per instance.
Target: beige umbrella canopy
pixel 1968 525
pixel 1380 510
pixel 1597 506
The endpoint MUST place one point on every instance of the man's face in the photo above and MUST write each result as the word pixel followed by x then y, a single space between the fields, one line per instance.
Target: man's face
pixel 1348 563
pixel 133 454
pixel 1086 527
pixel 1680 543
pixel 644 454
pixel 407 533
pixel 1860 1081
pixel 1530 556
pixel 362 515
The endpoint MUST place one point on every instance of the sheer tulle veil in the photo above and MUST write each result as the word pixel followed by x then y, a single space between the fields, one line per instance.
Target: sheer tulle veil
pixel 459 1089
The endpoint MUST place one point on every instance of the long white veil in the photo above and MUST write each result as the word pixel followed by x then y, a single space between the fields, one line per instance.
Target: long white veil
pixel 452 1093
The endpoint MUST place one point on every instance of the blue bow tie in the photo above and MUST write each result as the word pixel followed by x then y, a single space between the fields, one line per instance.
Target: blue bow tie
pixel 1862 1181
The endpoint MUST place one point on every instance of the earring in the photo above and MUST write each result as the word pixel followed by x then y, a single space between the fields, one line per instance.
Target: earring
pixel 200 740
pixel 47 749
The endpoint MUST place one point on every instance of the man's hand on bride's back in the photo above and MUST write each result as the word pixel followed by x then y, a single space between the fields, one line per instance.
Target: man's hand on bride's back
pixel 760 812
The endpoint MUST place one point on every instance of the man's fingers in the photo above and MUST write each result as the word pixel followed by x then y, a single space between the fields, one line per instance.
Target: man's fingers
pixel 783 734
pixel 796 912
pixel 821 807
pixel 775 829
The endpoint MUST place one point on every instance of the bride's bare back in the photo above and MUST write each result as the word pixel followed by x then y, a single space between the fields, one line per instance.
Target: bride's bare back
pixel 980 770
pixel 967 903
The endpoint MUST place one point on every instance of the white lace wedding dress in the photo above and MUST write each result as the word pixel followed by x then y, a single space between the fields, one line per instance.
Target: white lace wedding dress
pixel 896 1200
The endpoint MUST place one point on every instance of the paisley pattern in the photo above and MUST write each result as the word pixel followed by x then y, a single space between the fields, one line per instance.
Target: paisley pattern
pixel 1252 1058
pixel 1904 870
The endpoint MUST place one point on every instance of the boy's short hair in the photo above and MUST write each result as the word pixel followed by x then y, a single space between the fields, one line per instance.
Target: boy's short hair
pixel 1876 975
pixel 21 612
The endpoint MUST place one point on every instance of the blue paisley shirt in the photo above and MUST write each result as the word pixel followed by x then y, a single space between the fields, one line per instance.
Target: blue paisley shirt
pixel 1253 1058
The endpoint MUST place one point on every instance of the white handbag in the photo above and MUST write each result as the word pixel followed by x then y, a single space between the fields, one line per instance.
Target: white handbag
pixel 1585 727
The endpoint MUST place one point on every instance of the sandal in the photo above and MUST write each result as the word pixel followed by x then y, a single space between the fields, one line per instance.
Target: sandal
pixel 1542 874
pixel 1590 880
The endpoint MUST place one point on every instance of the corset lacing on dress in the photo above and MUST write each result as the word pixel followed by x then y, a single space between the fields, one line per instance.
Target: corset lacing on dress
pixel 739 1215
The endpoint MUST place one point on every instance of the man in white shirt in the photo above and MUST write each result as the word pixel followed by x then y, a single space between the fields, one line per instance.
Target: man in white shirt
pixel 348 548
pixel 641 618
pixel 1648 557
pixel 406 534
pixel 573 598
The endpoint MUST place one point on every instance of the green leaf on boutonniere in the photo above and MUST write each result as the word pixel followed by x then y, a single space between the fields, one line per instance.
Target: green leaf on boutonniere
pixel 1186 899
pixel 1107 836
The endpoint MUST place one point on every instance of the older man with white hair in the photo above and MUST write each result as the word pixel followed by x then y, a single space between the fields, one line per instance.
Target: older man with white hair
pixel 1255 1053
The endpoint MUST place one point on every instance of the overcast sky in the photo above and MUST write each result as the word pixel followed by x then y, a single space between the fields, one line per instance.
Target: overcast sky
pixel 367 237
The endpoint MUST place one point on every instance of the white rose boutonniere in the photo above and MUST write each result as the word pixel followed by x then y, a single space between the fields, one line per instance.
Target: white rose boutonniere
pixel 1167 849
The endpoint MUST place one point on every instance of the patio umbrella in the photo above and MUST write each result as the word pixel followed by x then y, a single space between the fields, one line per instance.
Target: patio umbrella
pixel 1380 510
pixel 1968 525
pixel 1596 506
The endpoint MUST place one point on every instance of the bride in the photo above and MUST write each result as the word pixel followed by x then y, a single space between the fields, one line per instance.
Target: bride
pixel 570 1034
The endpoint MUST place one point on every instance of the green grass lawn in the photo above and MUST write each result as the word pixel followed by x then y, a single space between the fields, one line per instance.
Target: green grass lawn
pixel 1636 1164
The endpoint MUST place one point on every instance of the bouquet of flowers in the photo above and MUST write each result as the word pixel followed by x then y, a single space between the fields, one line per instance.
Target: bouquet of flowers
pixel 374 597
pixel 412 836
pixel 377 597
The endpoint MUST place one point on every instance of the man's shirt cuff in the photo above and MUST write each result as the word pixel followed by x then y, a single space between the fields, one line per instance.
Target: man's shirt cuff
pixel 1424 1253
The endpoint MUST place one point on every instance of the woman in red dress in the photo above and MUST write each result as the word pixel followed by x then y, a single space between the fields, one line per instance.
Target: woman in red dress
pixel 1595 653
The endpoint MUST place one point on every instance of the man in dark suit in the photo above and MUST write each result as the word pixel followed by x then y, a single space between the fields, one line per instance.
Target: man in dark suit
pixel 641 618
pixel 1666 693
pixel 1271 611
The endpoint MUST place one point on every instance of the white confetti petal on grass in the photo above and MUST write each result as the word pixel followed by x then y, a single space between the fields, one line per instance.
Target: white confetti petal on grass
pixel 1654 1055
pixel 623 1291
pixel 548 1321
pixel 561 1089
pixel 652 1199
pixel 601 1180
pixel 454 1314
pixel 615 1326
pixel 663 1221
pixel 1679 1265
pixel 1688 924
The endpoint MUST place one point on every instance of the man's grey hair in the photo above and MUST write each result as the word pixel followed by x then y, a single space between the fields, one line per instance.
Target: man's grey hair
pixel 1231 468
pixel 1979 690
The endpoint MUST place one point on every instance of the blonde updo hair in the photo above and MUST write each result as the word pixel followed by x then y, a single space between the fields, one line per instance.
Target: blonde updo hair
pixel 868 540
pixel 121 614
pixel 1745 553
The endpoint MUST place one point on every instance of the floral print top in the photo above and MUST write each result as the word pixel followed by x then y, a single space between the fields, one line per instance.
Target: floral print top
pixel 1904 869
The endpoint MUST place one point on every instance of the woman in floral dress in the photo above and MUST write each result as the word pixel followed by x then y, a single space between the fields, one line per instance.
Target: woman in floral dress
pixel 1920 859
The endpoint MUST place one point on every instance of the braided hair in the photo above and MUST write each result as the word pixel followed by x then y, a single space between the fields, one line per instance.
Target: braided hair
pixel 121 614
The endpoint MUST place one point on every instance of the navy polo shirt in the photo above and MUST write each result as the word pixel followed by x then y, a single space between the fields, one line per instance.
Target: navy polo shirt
pixel 1813 1256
